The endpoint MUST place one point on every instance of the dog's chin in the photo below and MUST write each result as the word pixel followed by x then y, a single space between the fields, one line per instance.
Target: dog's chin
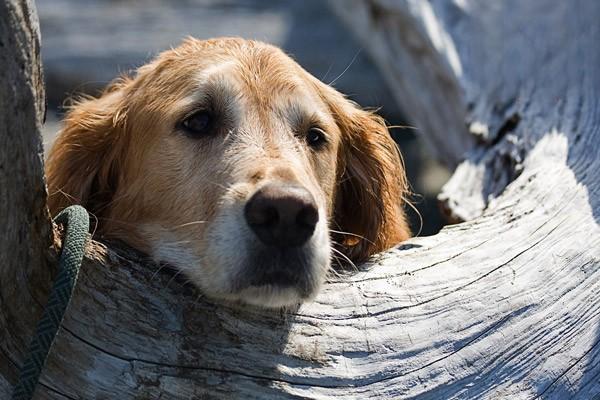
pixel 271 296
pixel 283 280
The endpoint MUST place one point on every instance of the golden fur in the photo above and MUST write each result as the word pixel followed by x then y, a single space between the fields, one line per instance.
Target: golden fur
pixel 180 198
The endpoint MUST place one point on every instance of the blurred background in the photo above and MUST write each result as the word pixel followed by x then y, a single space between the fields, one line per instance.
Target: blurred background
pixel 87 43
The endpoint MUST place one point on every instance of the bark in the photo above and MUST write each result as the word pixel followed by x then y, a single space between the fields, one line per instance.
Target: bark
pixel 502 306
pixel 26 228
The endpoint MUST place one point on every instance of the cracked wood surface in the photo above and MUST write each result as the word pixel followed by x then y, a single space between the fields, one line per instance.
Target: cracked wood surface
pixel 504 305
pixel 523 77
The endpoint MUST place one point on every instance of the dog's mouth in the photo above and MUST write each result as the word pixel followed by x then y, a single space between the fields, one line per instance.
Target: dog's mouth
pixel 274 277
pixel 275 269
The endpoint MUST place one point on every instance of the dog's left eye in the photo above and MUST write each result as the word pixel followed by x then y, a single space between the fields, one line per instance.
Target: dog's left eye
pixel 315 137
pixel 198 124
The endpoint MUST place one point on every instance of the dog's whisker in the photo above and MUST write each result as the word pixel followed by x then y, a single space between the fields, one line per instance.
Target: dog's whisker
pixel 111 202
pixel 332 272
pixel 339 264
pixel 179 271
pixel 177 242
pixel 160 268
pixel 351 234
pixel 195 303
pixel 327 72
pixel 218 185
pixel 67 195
pixel 345 258
pixel 418 215
pixel 96 223
pixel 187 282
pixel 346 69
pixel 118 221
pixel 402 127
pixel 189 224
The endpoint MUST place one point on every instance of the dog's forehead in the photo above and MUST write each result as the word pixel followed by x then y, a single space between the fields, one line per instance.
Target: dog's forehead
pixel 244 76
pixel 259 73
pixel 263 78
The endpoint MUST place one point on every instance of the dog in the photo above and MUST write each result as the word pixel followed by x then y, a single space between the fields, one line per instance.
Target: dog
pixel 227 160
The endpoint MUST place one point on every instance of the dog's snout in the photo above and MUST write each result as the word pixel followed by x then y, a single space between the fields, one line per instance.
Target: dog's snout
pixel 282 215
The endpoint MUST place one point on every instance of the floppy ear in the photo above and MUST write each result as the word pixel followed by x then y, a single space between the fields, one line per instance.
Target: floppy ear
pixel 82 165
pixel 372 185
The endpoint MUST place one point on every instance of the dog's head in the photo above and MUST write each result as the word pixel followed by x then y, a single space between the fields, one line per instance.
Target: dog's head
pixel 227 160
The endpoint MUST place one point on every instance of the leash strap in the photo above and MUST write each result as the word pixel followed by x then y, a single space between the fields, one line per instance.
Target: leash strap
pixel 76 220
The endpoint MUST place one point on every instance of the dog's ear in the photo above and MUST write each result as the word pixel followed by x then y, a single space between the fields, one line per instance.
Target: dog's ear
pixel 369 202
pixel 83 164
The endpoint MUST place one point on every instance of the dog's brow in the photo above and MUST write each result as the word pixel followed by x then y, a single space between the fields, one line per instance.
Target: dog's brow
pixel 303 114
pixel 215 69
pixel 221 91
pixel 214 90
pixel 216 80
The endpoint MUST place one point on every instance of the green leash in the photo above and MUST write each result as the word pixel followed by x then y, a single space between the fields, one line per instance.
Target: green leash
pixel 77 223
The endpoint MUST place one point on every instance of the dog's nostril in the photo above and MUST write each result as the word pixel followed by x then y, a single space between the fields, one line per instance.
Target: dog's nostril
pixel 309 216
pixel 282 215
pixel 271 217
pixel 262 214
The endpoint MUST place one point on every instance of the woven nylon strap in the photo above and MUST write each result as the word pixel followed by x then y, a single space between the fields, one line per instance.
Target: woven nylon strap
pixel 76 220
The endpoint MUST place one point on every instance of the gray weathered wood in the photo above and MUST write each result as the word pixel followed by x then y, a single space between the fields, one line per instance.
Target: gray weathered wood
pixel 524 79
pixel 421 65
pixel 25 222
pixel 502 306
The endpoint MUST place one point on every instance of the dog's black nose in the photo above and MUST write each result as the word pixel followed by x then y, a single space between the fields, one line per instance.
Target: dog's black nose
pixel 282 215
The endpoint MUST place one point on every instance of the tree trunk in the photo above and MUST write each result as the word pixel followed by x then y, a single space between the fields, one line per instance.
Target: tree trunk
pixel 26 236
pixel 502 306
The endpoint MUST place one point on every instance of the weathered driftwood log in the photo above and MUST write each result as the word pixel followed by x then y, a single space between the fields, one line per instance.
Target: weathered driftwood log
pixel 502 306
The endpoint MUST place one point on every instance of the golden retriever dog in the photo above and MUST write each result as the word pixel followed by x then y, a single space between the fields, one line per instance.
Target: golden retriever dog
pixel 227 160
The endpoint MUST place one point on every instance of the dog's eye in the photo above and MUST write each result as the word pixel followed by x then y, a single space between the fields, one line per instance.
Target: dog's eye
pixel 198 124
pixel 315 137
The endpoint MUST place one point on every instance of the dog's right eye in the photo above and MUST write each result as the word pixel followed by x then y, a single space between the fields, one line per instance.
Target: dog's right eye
pixel 198 124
